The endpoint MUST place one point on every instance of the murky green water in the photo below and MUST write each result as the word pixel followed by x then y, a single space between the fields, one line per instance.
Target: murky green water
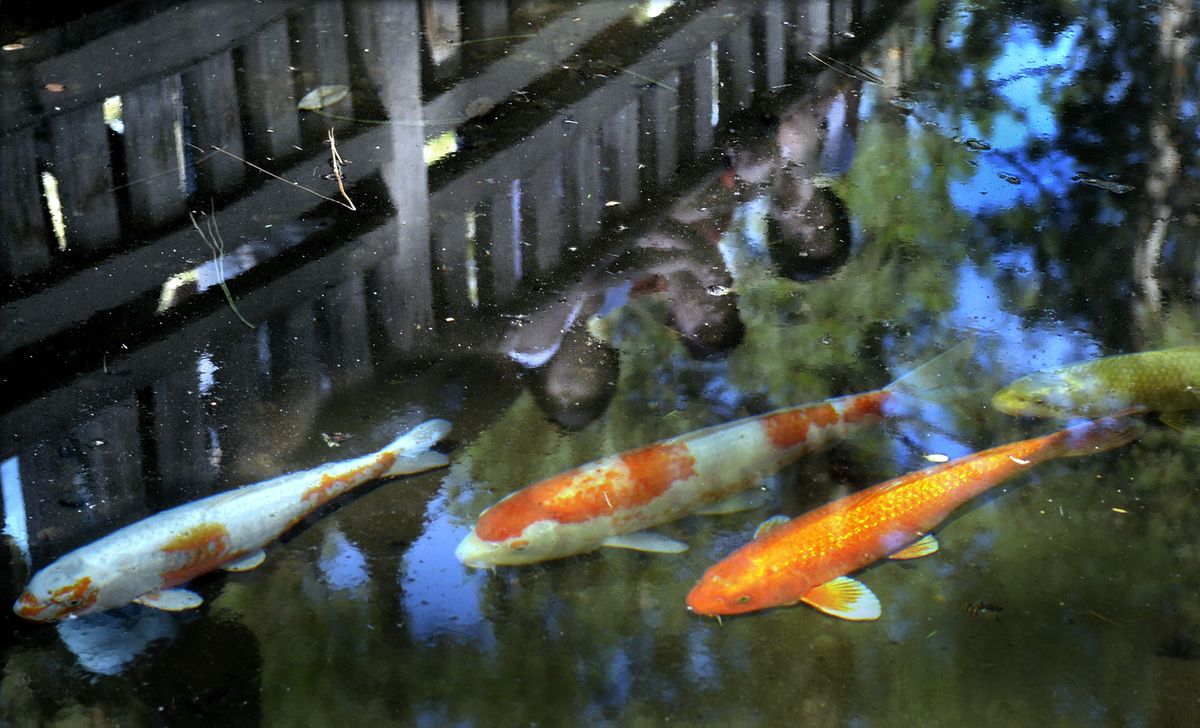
pixel 579 229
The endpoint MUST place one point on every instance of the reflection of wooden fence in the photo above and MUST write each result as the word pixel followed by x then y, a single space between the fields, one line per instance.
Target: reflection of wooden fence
pixel 534 205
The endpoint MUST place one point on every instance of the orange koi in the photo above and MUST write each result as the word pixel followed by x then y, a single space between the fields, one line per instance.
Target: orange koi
pixel 607 502
pixel 145 561
pixel 807 558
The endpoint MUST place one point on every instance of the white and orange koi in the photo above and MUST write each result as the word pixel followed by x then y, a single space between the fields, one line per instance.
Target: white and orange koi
pixel 145 561
pixel 607 502
pixel 806 559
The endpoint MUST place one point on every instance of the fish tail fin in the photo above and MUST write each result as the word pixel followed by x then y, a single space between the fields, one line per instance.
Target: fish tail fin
pixel 412 449
pixel 1099 435
pixel 939 378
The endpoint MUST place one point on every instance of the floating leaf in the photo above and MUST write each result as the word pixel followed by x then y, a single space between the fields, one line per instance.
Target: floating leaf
pixel 323 96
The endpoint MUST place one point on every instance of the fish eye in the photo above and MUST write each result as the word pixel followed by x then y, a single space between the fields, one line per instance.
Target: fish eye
pixel 73 602
pixel 743 599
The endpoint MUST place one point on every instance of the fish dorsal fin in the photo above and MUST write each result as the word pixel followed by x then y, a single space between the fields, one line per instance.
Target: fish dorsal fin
pixel 769 525
pixel 923 546
pixel 844 598
pixel 747 500
pixel 1186 422
pixel 940 378
pixel 645 541
pixel 171 600
pixel 252 560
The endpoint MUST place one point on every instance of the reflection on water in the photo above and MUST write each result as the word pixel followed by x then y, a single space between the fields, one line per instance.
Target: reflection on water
pixel 579 229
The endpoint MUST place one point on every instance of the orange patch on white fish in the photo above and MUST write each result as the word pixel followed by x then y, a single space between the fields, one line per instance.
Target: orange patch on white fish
pixel 790 427
pixel 204 548
pixel 70 599
pixel 654 469
pixel 579 495
pixel 866 406
pixel 330 487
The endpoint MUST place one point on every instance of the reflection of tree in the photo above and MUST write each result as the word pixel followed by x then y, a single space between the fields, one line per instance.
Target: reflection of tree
pixel 1164 166
pixel 1117 106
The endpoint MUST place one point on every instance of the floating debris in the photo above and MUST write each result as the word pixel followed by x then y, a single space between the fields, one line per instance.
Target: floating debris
pixel 904 104
pixel 55 88
pixel 1012 179
pixel 848 69
pixel 979 607
pixel 937 457
pixel 322 97
pixel 717 289
pixel 1111 185
pixel 17 46
pixel 347 204
pixel 335 439
pixel 647 79
pixel 337 162
pixel 975 145
pixel 494 38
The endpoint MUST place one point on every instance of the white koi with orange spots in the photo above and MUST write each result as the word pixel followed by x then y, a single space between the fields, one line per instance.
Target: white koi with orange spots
pixel 145 561
pixel 607 501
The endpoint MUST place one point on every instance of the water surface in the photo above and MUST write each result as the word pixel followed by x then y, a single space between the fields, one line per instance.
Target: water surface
pixel 579 228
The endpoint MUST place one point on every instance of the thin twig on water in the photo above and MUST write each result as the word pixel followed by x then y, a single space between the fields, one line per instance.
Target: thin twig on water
pixel 216 244
pixel 336 160
pixel 272 174
pixel 649 80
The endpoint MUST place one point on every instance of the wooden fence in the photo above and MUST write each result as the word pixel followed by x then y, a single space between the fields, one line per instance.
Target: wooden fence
pixel 451 240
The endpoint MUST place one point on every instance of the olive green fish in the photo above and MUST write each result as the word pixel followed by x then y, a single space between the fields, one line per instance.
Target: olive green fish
pixel 1167 380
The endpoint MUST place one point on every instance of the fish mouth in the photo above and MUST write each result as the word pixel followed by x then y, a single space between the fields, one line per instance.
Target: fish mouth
pixel 473 552
pixel 29 607
pixel 702 605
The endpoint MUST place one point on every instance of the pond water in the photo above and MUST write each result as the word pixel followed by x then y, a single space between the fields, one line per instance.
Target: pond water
pixel 572 229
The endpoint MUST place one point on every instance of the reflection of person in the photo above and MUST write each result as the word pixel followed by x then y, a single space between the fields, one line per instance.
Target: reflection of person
pixel 694 261
pixel 572 374
pixel 810 239
pixel 808 227
pixel 790 222
pixel 575 386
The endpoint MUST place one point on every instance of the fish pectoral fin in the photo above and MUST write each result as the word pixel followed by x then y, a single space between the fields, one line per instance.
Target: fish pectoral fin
pixel 412 449
pixel 844 598
pixel 747 500
pixel 251 560
pixel 171 600
pixel 769 525
pixel 646 541
pixel 419 463
pixel 923 546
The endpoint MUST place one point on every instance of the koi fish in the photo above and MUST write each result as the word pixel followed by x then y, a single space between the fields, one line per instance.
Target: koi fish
pixel 611 501
pixel 145 561
pixel 806 559
pixel 1167 380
